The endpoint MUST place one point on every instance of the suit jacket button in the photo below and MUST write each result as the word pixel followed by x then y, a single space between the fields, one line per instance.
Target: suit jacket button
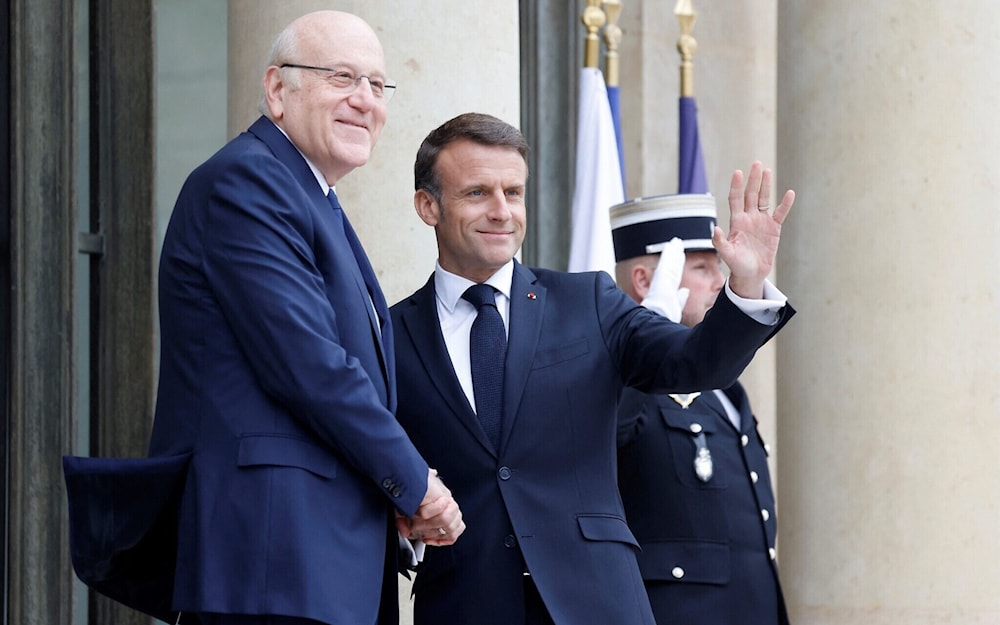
pixel 753 477
pixel 677 572
pixel 504 473
pixel 386 483
pixel 509 541
pixel 396 492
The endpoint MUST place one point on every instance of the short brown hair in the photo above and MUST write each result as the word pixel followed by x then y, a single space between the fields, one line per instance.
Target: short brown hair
pixel 476 127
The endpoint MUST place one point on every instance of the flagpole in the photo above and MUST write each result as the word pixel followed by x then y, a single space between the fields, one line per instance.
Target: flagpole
pixel 691 176
pixel 686 45
pixel 593 18
pixel 612 39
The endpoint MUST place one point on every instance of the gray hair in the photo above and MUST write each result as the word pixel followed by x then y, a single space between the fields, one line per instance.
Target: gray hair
pixel 283 49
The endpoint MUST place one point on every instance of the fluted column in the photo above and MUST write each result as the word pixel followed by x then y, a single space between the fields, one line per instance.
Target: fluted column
pixel 448 57
pixel 889 379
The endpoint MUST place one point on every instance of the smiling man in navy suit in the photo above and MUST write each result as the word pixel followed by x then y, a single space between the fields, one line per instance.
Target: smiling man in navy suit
pixel 513 398
pixel 277 376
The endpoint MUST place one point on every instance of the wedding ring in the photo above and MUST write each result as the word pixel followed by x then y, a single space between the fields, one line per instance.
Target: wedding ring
pixel 442 531
pixel 763 208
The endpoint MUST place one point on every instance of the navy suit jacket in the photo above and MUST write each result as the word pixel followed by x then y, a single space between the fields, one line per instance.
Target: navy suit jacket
pixel 274 389
pixel 547 501
pixel 707 546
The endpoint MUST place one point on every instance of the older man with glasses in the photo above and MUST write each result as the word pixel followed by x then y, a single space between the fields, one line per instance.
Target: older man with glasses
pixel 274 445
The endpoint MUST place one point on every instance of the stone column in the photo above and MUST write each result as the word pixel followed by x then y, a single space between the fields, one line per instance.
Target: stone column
pixel 888 380
pixel 448 57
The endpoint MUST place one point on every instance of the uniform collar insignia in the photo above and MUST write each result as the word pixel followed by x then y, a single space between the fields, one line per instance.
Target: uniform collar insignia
pixel 684 399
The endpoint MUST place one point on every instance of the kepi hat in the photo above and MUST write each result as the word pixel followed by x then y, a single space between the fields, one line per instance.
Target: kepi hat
pixel 644 225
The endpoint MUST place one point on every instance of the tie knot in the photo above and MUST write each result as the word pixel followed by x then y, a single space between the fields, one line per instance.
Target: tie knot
pixel 334 202
pixel 480 294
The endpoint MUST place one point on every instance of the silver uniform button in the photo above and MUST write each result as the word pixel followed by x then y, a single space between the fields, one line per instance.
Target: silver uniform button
pixel 771 552
pixel 753 477
pixel 696 428
pixel 677 572
pixel 745 440
pixel 764 513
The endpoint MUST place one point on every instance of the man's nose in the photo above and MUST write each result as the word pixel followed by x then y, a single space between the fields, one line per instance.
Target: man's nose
pixel 499 210
pixel 363 92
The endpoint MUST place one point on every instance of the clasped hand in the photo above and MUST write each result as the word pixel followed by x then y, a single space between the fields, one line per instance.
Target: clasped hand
pixel 438 520
pixel 754 231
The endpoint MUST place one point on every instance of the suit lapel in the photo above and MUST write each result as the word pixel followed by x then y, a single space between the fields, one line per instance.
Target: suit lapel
pixel 368 285
pixel 429 346
pixel 712 401
pixel 527 305
pixel 738 396
pixel 352 254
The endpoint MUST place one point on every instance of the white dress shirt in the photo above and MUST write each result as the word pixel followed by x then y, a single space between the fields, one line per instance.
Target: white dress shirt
pixel 456 316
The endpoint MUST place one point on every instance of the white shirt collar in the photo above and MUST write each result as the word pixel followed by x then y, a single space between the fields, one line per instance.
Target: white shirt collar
pixel 320 178
pixel 449 287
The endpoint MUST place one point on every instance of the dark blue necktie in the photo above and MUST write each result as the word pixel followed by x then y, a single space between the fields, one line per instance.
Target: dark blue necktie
pixel 367 282
pixel 488 351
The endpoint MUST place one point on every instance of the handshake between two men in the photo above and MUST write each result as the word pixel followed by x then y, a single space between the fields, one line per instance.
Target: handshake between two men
pixel 438 520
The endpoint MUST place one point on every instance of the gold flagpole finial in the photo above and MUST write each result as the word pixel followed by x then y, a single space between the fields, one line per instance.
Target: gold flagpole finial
pixel 612 39
pixel 686 45
pixel 593 18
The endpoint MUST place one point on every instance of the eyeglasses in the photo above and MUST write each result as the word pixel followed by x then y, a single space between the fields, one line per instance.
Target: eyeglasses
pixel 344 80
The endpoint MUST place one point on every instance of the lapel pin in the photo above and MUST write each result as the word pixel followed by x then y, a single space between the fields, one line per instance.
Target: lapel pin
pixel 532 296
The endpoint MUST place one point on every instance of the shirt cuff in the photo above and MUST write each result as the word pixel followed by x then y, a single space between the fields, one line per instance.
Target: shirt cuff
pixel 415 549
pixel 766 310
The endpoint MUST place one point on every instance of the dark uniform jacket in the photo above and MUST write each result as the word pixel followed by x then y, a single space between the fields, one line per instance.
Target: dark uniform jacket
pixel 707 542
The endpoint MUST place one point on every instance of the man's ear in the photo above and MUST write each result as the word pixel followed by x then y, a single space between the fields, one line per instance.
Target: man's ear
pixel 427 207
pixel 641 277
pixel 273 86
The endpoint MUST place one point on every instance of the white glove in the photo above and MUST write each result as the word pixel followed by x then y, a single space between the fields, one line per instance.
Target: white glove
pixel 665 296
